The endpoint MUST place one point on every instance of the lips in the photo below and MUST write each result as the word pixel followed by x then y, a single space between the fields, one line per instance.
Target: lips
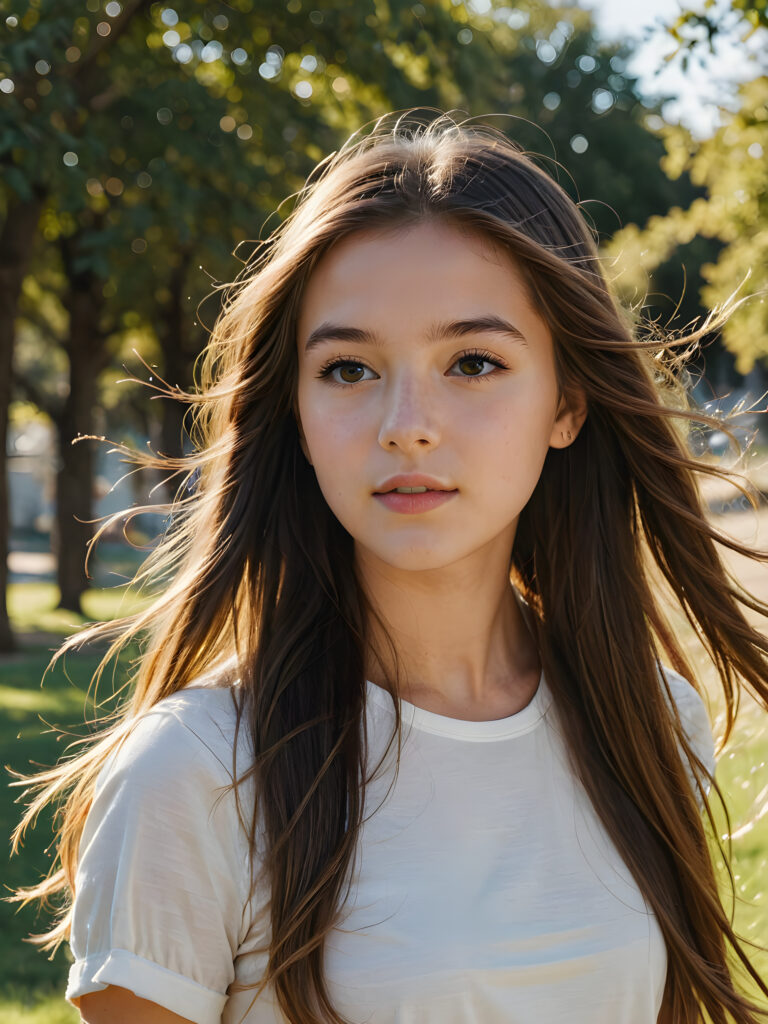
pixel 412 480
pixel 414 504
pixel 396 490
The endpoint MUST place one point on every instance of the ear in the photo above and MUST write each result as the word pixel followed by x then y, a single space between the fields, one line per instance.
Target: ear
pixel 571 413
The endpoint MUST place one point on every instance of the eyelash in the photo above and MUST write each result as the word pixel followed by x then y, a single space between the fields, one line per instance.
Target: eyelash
pixel 475 353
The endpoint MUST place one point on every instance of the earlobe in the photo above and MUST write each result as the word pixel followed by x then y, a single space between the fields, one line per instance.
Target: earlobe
pixel 570 419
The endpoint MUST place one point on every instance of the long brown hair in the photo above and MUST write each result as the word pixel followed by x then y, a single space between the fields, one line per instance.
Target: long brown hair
pixel 255 563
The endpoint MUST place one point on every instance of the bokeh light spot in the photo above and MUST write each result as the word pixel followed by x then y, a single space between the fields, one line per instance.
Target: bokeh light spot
pixel 602 100
pixel 517 19
pixel 546 52
pixel 211 51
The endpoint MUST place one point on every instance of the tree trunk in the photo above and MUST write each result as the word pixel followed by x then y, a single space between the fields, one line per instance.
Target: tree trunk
pixel 16 240
pixel 74 481
pixel 178 358
pixel 74 485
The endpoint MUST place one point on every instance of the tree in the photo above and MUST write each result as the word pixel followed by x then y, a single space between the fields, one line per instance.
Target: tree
pixel 179 146
pixel 731 170
pixel 31 133
pixel 693 29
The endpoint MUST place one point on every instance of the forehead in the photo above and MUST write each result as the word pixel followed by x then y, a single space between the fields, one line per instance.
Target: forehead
pixel 431 265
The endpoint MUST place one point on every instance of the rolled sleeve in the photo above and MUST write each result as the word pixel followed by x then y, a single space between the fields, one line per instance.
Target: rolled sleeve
pixel 148 981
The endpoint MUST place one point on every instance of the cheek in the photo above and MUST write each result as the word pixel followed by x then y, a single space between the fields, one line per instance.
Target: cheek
pixel 330 434
pixel 336 446
pixel 519 419
pixel 515 435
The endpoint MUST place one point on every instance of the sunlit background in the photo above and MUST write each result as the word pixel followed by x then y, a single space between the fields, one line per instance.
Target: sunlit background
pixel 146 148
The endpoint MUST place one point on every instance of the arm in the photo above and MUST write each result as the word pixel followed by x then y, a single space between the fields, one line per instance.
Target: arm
pixel 120 1006
pixel 161 888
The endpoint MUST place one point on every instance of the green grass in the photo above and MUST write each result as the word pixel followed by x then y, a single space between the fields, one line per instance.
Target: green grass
pixel 39 709
pixel 32 607
pixel 26 1009
pixel 29 742
pixel 743 776
pixel 31 985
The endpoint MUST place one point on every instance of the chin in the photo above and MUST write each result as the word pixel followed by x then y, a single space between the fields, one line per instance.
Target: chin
pixel 415 558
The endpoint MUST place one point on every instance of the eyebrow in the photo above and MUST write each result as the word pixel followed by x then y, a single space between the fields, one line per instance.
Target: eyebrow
pixel 488 324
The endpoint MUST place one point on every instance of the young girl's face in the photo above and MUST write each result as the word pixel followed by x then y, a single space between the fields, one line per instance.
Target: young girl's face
pixel 422 362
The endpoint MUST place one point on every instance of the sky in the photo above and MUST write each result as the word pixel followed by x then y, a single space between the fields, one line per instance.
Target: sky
pixel 697 92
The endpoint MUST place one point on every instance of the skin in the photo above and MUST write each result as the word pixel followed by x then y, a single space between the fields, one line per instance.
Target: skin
pixel 415 404
pixel 117 1005
pixel 439 579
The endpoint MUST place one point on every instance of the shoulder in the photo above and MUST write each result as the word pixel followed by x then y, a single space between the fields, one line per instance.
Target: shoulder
pixel 694 716
pixel 172 774
pixel 164 798
pixel 192 732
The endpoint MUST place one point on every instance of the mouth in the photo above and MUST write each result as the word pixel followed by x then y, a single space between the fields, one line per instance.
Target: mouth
pixel 417 490
pixel 414 500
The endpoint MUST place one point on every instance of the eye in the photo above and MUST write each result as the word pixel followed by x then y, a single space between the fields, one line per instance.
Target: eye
pixel 345 371
pixel 477 364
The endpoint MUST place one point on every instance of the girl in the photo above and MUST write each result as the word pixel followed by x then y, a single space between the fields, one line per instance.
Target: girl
pixel 401 747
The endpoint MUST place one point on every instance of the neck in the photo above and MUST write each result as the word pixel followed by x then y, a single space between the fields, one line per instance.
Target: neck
pixel 460 639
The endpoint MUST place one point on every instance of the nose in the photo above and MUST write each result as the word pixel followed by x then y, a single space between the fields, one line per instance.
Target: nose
pixel 408 422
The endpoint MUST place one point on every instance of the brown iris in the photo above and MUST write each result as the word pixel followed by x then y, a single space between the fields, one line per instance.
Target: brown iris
pixel 471 365
pixel 351 373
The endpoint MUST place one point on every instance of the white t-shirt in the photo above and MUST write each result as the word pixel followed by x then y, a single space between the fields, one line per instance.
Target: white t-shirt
pixel 485 888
